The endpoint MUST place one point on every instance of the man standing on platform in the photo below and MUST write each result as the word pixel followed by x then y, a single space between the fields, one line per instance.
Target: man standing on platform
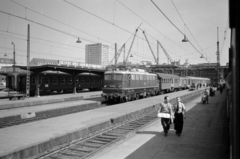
pixel 166 107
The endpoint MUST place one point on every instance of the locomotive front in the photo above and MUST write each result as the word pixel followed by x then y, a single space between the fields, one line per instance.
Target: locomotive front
pixel 113 84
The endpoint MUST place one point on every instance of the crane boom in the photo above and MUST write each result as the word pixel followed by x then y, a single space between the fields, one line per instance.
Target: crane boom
pixel 169 58
pixel 119 53
pixel 132 42
pixel 150 47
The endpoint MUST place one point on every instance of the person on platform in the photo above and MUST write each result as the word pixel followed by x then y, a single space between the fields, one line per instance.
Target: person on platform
pixel 179 114
pixel 206 92
pixel 166 107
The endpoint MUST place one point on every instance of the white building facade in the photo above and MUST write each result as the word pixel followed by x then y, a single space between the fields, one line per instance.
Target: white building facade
pixel 97 54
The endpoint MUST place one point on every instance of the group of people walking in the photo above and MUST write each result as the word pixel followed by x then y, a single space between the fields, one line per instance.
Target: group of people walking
pixel 177 115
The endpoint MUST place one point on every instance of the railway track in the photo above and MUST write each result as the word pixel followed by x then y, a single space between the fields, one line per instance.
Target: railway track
pixel 88 147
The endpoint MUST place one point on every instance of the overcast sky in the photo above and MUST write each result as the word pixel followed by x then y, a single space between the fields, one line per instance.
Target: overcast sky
pixel 109 22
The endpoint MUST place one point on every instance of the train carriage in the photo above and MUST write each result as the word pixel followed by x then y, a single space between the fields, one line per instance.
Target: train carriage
pixel 168 82
pixel 50 82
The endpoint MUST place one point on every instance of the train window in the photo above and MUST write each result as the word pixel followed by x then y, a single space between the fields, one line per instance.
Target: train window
pixel 69 81
pixel 82 80
pixel 98 80
pixel 87 80
pixel 62 81
pixel 133 77
pixel 40 81
pixel 137 77
pixel 93 80
pixel 107 77
pixel 76 81
pixel 33 81
pixel 46 80
pixel 55 80
pixel 117 77
pixel 141 77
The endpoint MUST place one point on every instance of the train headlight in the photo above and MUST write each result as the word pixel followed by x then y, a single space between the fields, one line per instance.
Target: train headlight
pixel 105 86
pixel 120 86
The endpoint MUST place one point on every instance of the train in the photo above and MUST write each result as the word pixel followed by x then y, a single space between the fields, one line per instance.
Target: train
pixel 126 85
pixel 53 82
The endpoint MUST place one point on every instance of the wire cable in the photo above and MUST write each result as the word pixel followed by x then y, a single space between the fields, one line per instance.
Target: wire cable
pixel 59 21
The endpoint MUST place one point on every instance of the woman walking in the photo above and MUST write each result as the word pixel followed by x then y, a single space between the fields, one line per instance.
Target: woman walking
pixel 166 108
pixel 180 113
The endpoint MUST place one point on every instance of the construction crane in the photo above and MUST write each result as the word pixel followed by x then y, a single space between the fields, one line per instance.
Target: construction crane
pixel 168 57
pixel 156 59
pixel 132 44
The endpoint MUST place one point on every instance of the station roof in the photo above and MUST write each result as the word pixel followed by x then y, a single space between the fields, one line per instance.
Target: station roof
pixel 67 69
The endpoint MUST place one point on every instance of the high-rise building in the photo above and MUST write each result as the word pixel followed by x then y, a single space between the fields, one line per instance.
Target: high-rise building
pixel 97 54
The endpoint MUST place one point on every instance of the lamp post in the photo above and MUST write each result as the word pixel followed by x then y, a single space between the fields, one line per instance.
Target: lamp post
pixel 14 56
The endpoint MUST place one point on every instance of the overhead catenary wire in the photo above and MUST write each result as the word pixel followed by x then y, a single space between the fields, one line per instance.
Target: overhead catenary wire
pixel 58 30
pixel 60 22
pixel 151 25
pixel 186 25
pixel 177 28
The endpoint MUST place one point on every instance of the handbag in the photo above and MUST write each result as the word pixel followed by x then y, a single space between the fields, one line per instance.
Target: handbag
pixel 164 115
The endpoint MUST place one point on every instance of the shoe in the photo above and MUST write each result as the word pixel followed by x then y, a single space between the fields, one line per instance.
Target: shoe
pixel 179 135
pixel 165 134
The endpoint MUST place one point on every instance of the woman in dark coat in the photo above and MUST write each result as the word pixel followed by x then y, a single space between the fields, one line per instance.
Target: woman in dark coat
pixel 179 115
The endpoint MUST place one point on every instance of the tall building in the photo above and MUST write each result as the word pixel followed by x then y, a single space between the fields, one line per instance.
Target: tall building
pixel 97 54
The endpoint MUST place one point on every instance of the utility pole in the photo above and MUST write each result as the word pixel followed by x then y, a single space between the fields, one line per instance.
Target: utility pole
pixel 115 56
pixel 218 59
pixel 28 66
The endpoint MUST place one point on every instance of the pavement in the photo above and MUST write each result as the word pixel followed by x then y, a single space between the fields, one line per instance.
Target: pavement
pixel 205 136
pixel 36 137
pixel 33 101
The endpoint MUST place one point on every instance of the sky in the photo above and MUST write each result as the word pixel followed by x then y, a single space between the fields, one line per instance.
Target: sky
pixel 56 25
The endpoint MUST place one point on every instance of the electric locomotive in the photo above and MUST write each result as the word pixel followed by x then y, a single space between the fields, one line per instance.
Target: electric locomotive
pixel 129 85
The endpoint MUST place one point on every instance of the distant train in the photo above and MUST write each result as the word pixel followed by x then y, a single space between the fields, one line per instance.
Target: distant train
pixel 132 85
pixel 50 82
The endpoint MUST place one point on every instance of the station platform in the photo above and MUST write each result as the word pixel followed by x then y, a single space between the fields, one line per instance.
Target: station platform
pixel 33 101
pixel 205 136
pixel 31 139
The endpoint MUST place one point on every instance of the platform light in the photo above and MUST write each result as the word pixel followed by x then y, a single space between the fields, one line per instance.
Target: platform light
pixel 201 56
pixel 131 55
pixel 78 41
pixel 5 54
pixel 185 39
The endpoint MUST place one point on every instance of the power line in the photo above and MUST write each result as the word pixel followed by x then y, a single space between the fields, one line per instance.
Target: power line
pixel 177 28
pixel 150 25
pixel 59 21
pixel 58 30
pixel 186 24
